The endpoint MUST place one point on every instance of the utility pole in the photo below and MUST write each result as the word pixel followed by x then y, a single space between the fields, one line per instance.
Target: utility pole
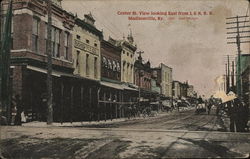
pixel 140 74
pixel 226 80
pixel 5 90
pixel 49 66
pixel 237 36
pixel 1 55
pixel 232 77
pixel 228 74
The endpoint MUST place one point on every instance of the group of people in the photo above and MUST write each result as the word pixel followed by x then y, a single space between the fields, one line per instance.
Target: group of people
pixel 238 112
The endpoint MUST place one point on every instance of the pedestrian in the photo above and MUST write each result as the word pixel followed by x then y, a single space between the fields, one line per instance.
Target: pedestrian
pixel 209 105
pixel 244 112
pixel 232 115
pixel 13 111
pixel 19 110
pixel 239 121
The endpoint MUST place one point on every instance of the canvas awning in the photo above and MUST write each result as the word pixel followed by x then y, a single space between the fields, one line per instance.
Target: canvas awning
pixel 111 85
pixel 128 88
pixel 42 70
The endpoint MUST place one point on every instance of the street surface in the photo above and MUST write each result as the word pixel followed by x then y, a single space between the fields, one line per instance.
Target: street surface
pixel 176 134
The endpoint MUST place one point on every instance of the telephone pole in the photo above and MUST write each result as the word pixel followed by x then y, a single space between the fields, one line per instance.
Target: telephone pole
pixel 226 80
pixel 232 77
pixel 49 66
pixel 140 74
pixel 237 36
pixel 228 74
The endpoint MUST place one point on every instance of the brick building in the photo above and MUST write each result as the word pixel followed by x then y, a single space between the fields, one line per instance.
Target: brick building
pixel 143 79
pixel 28 54
pixel 142 74
pixel 111 61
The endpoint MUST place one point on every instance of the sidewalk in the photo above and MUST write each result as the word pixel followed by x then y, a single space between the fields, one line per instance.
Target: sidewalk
pixel 93 123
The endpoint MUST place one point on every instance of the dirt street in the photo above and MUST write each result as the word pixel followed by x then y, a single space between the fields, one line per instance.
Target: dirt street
pixel 176 134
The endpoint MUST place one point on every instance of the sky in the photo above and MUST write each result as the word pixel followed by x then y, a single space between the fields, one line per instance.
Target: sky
pixel 195 46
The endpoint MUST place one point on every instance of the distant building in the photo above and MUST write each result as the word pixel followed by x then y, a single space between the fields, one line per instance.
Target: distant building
pixel 164 77
pixel 190 91
pixel 142 74
pixel 155 86
pixel 184 89
pixel 176 89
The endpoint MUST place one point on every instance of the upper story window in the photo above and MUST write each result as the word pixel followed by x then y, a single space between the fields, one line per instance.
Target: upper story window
pixel 12 30
pixel 66 45
pixel 78 37
pixel 114 66
pixel 55 40
pixel 87 64
pixel 95 67
pixel 118 66
pixel 109 64
pixel 95 44
pixel 104 62
pixel 77 61
pixel 35 31
pixel 87 41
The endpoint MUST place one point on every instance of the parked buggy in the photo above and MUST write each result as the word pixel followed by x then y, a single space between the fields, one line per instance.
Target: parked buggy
pixel 200 108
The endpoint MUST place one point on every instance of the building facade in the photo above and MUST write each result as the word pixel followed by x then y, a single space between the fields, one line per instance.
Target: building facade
pixel 111 60
pixel 184 89
pixel 29 54
pixel 155 86
pixel 86 48
pixel 164 77
pixel 190 91
pixel 142 74
pixel 176 89
pixel 127 59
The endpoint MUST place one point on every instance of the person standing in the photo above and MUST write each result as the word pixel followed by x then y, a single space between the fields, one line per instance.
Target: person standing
pixel 19 110
pixel 232 115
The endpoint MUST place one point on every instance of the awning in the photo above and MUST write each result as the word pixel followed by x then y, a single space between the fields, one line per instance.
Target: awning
pixel 111 85
pixel 77 77
pixel 37 69
pixel 128 88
